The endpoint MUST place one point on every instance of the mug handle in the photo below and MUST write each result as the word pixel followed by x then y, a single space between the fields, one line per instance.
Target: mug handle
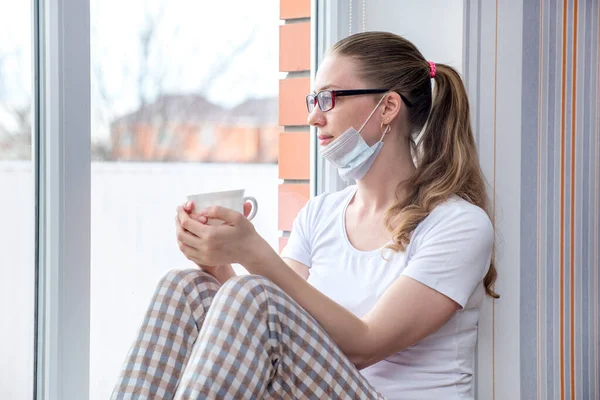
pixel 254 206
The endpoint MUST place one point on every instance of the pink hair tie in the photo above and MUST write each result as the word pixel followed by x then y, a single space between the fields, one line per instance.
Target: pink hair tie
pixel 432 69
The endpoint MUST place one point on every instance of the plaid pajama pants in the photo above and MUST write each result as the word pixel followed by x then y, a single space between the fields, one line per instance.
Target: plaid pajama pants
pixel 245 339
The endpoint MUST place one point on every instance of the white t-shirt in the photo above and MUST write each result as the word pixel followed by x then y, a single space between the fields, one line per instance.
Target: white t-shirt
pixel 449 251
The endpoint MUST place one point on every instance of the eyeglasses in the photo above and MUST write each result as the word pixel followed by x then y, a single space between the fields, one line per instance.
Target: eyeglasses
pixel 326 98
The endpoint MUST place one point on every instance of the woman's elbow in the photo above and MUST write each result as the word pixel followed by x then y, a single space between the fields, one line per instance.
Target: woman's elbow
pixel 362 361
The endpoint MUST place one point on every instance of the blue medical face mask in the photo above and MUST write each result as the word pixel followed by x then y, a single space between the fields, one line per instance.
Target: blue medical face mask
pixel 350 154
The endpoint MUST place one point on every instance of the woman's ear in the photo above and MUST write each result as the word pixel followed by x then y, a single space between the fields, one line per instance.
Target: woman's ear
pixel 391 107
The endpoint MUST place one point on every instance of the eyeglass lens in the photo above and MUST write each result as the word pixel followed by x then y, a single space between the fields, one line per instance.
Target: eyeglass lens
pixel 324 99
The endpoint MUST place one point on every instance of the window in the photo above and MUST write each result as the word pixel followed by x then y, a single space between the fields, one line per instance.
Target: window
pixel 17 202
pixel 184 95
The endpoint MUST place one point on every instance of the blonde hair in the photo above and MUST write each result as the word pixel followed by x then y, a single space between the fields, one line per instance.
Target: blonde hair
pixel 446 155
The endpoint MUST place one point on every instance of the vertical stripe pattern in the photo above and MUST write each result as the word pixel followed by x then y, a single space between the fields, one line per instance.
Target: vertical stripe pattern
pixel 560 209
pixel 494 195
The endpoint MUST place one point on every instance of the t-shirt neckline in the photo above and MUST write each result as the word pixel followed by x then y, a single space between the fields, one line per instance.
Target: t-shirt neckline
pixel 345 233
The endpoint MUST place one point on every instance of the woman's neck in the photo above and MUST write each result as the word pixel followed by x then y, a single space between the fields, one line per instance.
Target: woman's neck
pixel 379 188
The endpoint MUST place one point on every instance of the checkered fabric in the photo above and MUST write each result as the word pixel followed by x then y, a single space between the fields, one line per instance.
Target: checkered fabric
pixel 246 339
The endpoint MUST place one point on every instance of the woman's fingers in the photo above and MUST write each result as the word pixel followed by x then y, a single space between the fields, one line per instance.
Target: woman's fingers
pixel 247 209
pixel 187 223
pixel 200 218
pixel 189 209
pixel 184 235
pixel 189 252
pixel 227 215
pixel 187 238
pixel 189 206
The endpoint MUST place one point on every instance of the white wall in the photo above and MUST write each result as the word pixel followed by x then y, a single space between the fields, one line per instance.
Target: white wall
pixel 434 26
pixel 17 279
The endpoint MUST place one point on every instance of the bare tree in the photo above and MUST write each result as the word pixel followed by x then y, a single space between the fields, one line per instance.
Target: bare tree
pixel 15 138
pixel 152 97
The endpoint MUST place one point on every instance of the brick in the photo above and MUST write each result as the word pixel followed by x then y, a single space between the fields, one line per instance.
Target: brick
pixel 292 101
pixel 289 9
pixel 294 47
pixel 292 197
pixel 294 155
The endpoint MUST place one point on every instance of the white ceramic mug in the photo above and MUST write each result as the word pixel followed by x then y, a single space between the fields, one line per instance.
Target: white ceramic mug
pixel 233 199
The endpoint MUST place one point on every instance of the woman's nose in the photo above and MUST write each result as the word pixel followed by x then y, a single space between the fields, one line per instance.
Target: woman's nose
pixel 316 117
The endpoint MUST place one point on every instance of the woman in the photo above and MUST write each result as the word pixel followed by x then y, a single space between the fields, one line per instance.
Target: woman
pixel 377 293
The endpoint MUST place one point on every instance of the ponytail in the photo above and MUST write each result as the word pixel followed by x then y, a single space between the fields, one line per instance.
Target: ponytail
pixel 447 164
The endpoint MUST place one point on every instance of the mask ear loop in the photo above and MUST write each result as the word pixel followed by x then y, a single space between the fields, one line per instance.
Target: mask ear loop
pixel 370 115
pixel 386 130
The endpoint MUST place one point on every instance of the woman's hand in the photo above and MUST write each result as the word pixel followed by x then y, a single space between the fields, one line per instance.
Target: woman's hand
pixel 220 272
pixel 212 247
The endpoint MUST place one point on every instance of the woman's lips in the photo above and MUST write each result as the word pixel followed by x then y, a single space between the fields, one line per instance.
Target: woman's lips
pixel 325 139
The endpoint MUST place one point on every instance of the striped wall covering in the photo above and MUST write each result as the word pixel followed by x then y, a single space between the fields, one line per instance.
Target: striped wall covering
pixel 560 172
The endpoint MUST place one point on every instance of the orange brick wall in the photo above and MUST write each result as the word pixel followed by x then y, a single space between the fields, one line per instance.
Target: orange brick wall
pixel 294 147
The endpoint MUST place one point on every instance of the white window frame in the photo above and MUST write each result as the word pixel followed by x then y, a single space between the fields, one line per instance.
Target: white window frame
pixel 62 36
pixel 331 22
pixel 328 17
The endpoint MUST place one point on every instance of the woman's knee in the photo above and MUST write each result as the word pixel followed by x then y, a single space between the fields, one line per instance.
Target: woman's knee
pixel 248 281
pixel 186 277
pixel 246 288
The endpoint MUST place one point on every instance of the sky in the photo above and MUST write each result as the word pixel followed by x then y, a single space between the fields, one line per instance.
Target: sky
pixel 194 39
